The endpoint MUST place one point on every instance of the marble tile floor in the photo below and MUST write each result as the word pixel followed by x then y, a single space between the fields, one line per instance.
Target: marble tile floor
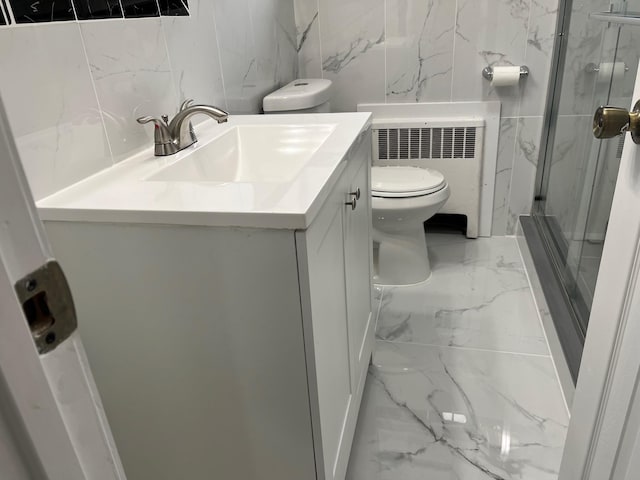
pixel 461 385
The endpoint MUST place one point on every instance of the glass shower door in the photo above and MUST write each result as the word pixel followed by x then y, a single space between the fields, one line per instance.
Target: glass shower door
pixel 599 197
pixel 597 66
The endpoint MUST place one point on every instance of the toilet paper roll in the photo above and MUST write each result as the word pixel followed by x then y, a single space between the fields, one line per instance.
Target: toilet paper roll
pixel 506 76
pixel 610 71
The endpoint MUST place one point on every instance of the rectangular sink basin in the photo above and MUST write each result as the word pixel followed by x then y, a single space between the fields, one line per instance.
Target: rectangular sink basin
pixel 254 171
pixel 249 153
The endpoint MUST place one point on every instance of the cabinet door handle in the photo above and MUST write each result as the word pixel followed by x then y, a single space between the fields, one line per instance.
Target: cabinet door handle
pixel 353 203
pixel 356 194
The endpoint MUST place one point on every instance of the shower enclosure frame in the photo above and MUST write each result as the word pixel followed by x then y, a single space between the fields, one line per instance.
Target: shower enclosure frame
pixel 537 230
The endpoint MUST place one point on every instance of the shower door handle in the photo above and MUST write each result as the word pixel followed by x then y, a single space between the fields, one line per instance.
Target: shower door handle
pixel 609 122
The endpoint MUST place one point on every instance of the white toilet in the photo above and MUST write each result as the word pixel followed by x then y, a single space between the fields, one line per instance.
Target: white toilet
pixel 305 95
pixel 403 199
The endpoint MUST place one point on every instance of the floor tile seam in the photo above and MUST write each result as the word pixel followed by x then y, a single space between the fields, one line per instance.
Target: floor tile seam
pixel 546 338
pixel 480 262
pixel 436 267
pixel 469 349
pixel 379 309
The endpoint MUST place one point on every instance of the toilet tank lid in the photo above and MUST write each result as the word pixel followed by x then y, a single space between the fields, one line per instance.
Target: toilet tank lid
pixel 397 181
pixel 298 95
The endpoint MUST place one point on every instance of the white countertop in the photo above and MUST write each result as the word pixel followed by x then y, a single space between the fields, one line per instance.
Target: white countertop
pixel 123 193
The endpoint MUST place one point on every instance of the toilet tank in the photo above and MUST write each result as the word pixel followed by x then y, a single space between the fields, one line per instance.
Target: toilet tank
pixel 305 95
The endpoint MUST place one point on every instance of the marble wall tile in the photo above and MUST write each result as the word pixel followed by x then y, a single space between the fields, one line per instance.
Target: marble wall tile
pixel 434 50
pixel 42 11
pixel 419 49
pixel 193 52
pixel 287 42
pixel 174 7
pixel 264 32
pixel 629 54
pixel 238 56
pixel 137 66
pixel 504 167
pixel 95 9
pixel 353 51
pixel 132 75
pixel 573 140
pixel 525 164
pixel 538 56
pixel 274 38
pixel 56 122
pixel 257 48
pixel 499 39
pixel 308 38
pixel 140 8
pixel 585 38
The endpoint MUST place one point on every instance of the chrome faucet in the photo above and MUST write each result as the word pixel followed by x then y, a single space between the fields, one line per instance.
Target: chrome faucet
pixel 171 137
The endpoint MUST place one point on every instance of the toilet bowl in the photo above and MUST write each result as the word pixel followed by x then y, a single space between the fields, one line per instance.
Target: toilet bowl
pixel 403 198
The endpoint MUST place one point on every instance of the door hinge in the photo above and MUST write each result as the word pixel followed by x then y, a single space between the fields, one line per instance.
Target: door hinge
pixel 47 305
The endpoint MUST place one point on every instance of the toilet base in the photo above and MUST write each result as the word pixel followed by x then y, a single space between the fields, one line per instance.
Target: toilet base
pixel 401 259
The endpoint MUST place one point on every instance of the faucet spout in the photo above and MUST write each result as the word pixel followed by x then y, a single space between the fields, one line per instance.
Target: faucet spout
pixel 171 137
pixel 179 127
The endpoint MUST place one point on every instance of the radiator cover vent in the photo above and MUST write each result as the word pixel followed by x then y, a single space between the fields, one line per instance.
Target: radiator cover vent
pixel 424 143
pixel 453 146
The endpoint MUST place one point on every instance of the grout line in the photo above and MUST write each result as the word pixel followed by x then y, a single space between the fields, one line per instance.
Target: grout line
pixel 470 349
pixel 516 117
pixel 4 15
pixel 544 332
pixel 75 13
pixel 379 308
pixel 10 15
pixel 106 20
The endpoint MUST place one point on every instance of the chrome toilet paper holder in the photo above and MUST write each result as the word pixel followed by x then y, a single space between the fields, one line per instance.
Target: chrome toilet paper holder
pixel 595 68
pixel 487 72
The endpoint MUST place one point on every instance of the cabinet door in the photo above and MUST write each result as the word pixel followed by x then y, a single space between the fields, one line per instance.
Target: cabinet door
pixel 357 248
pixel 324 303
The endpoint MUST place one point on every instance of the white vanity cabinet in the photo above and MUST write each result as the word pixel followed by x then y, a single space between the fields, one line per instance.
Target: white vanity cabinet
pixel 230 352
pixel 335 259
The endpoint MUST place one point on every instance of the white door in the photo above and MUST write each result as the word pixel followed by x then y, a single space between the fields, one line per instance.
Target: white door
pixel 52 425
pixel 604 433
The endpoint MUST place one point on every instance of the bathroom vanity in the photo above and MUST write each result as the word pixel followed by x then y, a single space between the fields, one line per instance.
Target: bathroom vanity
pixel 224 297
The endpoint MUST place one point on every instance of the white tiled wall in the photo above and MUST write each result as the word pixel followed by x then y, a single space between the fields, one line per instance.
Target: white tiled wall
pixel 73 90
pixel 52 106
pixel 433 51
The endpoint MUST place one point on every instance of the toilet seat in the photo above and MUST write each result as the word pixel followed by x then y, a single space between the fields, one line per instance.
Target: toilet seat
pixel 403 182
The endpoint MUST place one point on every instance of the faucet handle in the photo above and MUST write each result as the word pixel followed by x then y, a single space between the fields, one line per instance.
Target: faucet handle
pixel 186 104
pixel 164 144
pixel 148 119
